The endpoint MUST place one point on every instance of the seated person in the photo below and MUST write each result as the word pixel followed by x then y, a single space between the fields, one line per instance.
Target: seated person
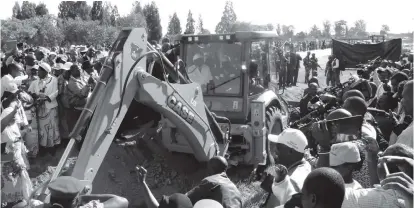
pixel 217 186
pixel 199 72
pixel 254 81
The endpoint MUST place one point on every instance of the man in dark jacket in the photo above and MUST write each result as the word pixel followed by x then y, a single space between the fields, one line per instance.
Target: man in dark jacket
pixel 217 186
pixel 291 67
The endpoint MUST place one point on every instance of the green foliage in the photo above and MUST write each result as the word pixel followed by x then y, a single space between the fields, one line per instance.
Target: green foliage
pixel 327 29
pixel 359 29
pixel 73 9
pixel 16 10
pixel 97 11
pixel 136 7
pixel 189 27
pixel 41 9
pixel 200 25
pixel 174 26
pixel 384 29
pixel 47 33
pixel 340 28
pixel 28 10
pixel 153 21
pixel 131 20
pixel 278 30
pixel 315 32
pixel 227 20
pixel 15 29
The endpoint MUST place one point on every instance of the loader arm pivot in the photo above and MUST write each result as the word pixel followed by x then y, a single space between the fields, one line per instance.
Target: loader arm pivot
pixel 181 103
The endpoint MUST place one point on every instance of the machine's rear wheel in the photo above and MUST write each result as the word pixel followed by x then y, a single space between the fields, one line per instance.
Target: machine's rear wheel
pixel 274 125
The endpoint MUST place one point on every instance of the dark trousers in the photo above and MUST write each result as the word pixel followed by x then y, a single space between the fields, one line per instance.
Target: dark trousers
pixel 307 73
pixel 336 73
pixel 295 76
pixel 289 77
pixel 282 78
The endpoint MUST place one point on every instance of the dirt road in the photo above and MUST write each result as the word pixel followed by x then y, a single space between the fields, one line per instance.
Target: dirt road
pixel 296 92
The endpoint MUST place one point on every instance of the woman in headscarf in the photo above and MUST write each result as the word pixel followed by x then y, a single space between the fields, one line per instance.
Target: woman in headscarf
pixel 45 91
pixel 16 185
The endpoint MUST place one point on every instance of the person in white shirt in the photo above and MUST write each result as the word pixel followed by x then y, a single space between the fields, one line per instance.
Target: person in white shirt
pixel 381 77
pixel 288 149
pixel 15 75
pixel 16 185
pixel 199 72
pixel 45 91
pixel 336 72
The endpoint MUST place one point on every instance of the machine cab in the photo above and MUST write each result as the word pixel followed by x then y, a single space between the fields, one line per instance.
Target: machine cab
pixel 220 64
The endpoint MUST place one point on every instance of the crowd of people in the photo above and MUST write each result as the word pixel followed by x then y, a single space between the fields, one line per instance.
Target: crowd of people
pixel 44 92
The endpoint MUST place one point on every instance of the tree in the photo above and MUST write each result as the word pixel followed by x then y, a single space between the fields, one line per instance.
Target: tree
pixel 115 15
pixel 326 28
pixel 227 20
pixel 315 32
pixel 16 29
pixel 340 28
pixel 131 20
pixel 278 30
pixel 136 7
pixel 288 31
pixel 41 10
pixel 384 29
pixel 200 25
pixel 189 27
pixel 301 36
pixel 28 10
pixel 359 29
pixel 73 9
pixel 97 11
pixel 270 27
pixel 16 10
pixel 174 26
pixel 153 20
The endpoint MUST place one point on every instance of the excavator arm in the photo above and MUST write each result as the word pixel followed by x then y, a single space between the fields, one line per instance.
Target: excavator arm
pixel 123 78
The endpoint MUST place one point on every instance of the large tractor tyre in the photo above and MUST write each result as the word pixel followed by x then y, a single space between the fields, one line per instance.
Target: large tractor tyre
pixel 274 125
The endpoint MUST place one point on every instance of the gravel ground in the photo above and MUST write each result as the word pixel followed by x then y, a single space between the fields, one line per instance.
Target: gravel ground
pixel 167 172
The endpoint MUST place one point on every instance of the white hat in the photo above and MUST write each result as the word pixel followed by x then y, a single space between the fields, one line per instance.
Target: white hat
pixel 11 87
pixel 344 152
pixel 67 66
pixel 58 66
pixel 45 66
pixel 197 56
pixel 292 138
pixel 207 203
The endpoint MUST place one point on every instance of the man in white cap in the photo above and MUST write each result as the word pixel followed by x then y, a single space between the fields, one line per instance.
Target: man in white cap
pixel 45 91
pixel 199 72
pixel 346 158
pixel 288 149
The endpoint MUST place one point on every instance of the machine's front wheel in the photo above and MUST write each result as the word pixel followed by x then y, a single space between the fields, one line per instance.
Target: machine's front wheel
pixel 274 125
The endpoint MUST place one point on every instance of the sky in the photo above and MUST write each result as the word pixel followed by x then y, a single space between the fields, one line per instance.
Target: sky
pixel 302 14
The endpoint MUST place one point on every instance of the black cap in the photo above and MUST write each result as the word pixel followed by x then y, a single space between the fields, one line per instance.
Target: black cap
pixel 176 201
pixel 65 187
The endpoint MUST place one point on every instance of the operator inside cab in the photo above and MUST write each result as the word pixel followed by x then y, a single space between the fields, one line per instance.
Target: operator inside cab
pixel 254 80
pixel 199 72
